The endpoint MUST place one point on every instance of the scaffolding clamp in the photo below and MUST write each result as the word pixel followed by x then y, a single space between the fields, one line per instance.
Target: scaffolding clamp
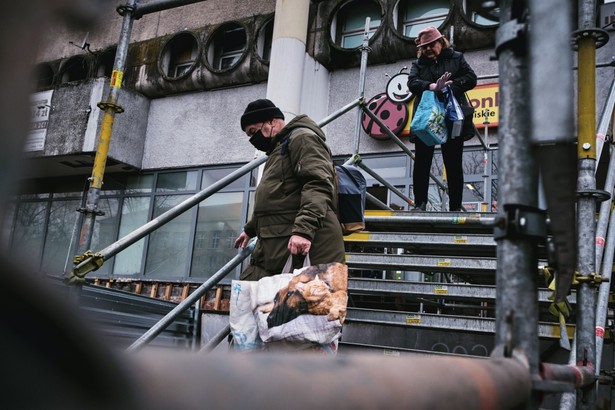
pixel 600 37
pixel 85 264
pixel 86 210
pixel 592 279
pixel 520 221
pixel 104 105
pixel 511 34
pixel 123 10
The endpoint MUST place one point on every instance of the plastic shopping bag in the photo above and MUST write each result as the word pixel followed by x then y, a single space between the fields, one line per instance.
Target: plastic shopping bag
pixel 428 122
pixel 300 310
pixel 454 114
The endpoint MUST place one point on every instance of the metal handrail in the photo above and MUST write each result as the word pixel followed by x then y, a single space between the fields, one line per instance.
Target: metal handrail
pixel 193 297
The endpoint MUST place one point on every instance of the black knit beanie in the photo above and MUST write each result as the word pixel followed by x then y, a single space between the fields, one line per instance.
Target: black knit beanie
pixel 260 111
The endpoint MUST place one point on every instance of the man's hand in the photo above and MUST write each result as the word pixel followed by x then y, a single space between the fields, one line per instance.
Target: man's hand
pixel 242 240
pixel 298 245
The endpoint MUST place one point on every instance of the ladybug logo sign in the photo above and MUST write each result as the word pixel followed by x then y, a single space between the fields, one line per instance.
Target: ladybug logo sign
pixel 397 87
pixel 393 114
pixel 391 108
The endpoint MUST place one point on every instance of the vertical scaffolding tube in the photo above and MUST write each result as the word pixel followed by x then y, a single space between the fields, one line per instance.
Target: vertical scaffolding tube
pixel 364 52
pixel 110 108
pixel 517 259
pixel 586 203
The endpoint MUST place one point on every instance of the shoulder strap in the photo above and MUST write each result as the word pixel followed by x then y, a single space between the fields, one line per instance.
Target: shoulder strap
pixel 286 141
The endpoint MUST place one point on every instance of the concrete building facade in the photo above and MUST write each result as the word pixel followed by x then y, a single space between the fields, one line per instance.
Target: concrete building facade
pixel 190 72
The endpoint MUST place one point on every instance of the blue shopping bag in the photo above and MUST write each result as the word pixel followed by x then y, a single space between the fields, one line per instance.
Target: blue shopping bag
pixel 454 114
pixel 428 122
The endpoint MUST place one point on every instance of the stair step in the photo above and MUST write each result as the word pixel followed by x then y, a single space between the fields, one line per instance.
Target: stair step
pixel 448 291
pixel 466 324
pixel 351 347
pixel 406 221
pixel 427 263
pixel 428 243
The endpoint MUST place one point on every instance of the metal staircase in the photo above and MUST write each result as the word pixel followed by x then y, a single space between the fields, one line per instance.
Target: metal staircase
pixel 424 283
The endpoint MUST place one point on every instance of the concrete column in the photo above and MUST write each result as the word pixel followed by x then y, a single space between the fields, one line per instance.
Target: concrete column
pixel 288 55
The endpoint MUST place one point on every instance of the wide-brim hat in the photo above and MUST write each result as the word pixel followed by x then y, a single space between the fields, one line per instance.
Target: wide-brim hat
pixel 260 111
pixel 427 35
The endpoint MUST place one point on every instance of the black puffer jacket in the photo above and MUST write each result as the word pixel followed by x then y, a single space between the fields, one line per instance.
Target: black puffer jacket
pixel 425 71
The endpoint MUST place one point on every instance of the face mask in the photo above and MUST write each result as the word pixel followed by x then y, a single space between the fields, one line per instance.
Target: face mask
pixel 262 143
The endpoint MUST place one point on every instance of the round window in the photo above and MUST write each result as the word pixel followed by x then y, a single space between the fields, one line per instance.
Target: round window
pixel 179 56
pixel 226 47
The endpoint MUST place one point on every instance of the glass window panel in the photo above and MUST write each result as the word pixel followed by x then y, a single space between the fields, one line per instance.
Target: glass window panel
pixel 211 176
pixel 57 253
pixel 134 215
pixel 386 167
pixel 139 183
pixel 473 196
pixel 29 233
pixel 176 181
pixel 480 20
pixel 426 8
pixel 354 40
pixel 474 162
pixel 395 202
pixel 352 17
pixel 412 30
pixel 218 224
pixel 418 15
pixel 167 253
pixel 355 19
pixel 105 230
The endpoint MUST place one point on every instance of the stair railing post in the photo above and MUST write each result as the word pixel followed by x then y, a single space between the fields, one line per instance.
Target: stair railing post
pixel 517 256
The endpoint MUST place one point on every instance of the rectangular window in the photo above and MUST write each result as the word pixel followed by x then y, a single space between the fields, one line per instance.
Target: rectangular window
pixel 234 42
pixel 211 176
pixel 139 183
pixel 29 233
pixel 419 15
pixel 218 214
pixel 181 69
pixel 167 253
pixel 57 253
pixel 177 181
pixel 105 230
pixel 199 241
pixel 354 28
pixel 135 213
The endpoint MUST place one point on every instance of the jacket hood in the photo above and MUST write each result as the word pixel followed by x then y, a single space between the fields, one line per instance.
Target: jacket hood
pixel 300 121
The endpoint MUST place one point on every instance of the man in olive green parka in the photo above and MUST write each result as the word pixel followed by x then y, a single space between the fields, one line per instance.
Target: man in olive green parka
pixel 294 201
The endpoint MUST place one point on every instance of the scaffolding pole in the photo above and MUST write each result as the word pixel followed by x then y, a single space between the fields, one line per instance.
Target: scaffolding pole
pixel 517 253
pixel 364 52
pixel 585 40
pixel 110 108
pixel 270 381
